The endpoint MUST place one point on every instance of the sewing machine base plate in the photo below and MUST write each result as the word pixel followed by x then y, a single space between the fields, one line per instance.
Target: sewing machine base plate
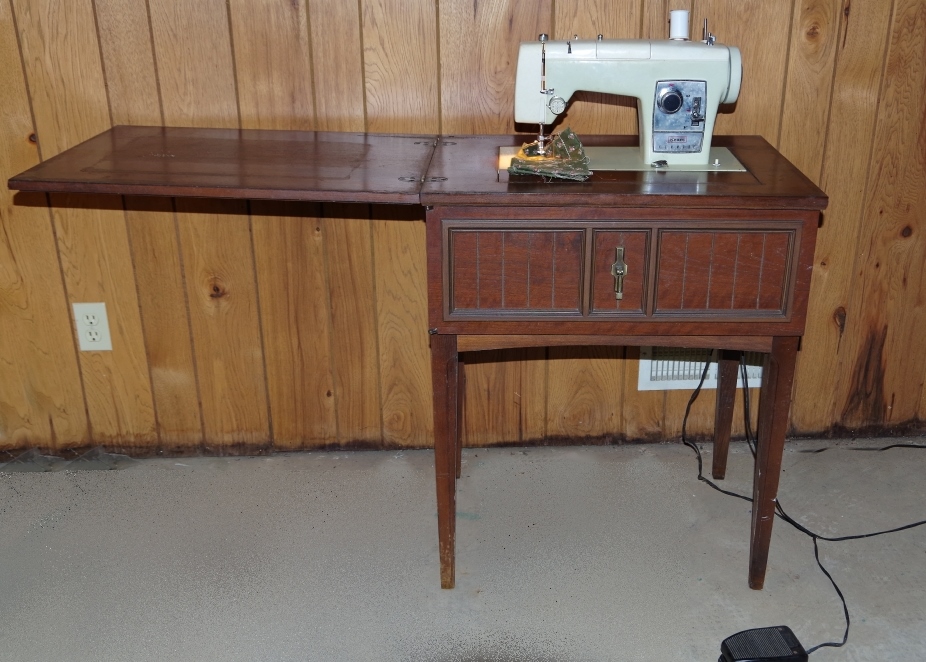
pixel 628 159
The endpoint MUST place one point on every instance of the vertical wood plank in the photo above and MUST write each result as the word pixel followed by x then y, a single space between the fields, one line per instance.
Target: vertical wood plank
pixel 862 44
pixel 289 255
pixel 194 59
pixel 884 359
pixel 131 78
pixel 808 86
pixel 353 285
pixel 585 391
pixel 273 63
pixel 591 113
pixel 198 89
pixel 128 60
pixel 402 319
pixel 764 52
pixel 337 61
pixel 402 94
pixel 162 297
pixel 41 400
pixel 479 54
pixel 65 77
pixel 222 293
pixel 644 411
pixel 400 65
pixel 94 250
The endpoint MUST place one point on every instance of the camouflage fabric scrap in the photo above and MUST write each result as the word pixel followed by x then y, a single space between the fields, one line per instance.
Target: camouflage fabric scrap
pixel 563 157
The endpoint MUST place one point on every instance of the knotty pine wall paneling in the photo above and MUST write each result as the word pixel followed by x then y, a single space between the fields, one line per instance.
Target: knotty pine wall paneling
pixel 862 46
pixel 244 326
pixel 352 292
pixel 886 314
pixel 64 74
pixel 41 394
pixel 130 67
pixel 198 88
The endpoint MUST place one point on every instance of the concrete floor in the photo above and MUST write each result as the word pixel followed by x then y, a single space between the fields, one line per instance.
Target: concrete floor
pixel 590 553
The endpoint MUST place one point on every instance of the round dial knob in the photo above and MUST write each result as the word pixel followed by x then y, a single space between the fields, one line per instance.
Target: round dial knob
pixel 670 101
pixel 557 105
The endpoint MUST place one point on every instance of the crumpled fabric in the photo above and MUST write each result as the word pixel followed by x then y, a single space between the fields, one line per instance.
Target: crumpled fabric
pixel 563 157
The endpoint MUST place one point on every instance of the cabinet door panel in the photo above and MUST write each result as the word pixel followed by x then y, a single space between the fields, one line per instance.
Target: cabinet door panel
pixel 723 272
pixel 502 273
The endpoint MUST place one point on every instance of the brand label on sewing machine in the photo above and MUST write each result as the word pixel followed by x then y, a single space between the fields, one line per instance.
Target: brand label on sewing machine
pixel 677 142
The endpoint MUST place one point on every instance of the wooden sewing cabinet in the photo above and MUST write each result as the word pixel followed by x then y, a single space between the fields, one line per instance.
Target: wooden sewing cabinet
pixel 718 260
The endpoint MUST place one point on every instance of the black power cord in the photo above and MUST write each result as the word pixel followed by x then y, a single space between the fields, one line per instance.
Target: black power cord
pixel 779 511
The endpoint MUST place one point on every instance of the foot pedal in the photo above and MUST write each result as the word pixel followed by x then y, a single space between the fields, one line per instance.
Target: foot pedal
pixel 775 644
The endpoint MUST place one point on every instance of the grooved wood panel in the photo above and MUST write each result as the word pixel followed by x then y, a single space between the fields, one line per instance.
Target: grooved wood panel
pixel 400 65
pixel 168 340
pixel 41 398
pixel 585 398
pixel 716 271
pixel 862 45
pixel 289 254
pixel 272 63
pixel 764 52
pixel 128 61
pixel 809 84
pixel 215 245
pixel 888 270
pixel 64 73
pixel 339 86
pixel 352 287
pixel 192 44
pixel 516 270
pixel 402 321
pixel 836 85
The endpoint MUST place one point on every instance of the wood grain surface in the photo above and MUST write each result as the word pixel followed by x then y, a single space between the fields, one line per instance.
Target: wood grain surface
pixel 837 86
pixel 863 43
pixel 888 269
pixel 273 64
pixel 41 395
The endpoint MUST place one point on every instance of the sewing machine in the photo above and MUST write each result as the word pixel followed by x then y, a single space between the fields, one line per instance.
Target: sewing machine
pixel 678 84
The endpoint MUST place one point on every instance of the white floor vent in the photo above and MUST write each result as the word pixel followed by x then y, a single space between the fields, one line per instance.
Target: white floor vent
pixel 669 368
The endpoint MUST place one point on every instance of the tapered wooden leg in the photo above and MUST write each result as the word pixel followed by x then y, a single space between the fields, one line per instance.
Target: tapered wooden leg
pixel 774 405
pixel 727 364
pixel 461 402
pixel 444 361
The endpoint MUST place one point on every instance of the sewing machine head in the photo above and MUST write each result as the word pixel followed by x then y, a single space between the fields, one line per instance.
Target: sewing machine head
pixel 678 85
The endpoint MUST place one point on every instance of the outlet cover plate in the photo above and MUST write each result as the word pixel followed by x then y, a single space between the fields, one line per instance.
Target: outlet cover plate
pixel 92 326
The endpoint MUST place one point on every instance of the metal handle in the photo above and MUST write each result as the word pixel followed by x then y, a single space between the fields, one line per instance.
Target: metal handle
pixel 619 270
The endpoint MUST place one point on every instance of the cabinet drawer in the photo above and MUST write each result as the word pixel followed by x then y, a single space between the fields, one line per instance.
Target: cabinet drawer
pixel 510 272
pixel 635 245
pixel 718 273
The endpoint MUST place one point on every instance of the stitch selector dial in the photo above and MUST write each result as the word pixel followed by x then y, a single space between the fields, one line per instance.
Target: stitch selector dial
pixel 670 101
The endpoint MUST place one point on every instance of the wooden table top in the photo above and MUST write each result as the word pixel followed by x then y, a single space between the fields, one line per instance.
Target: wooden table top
pixel 388 168
pixel 231 163
pixel 468 164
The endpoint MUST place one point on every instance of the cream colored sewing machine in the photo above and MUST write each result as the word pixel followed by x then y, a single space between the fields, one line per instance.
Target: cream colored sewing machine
pixel 678 84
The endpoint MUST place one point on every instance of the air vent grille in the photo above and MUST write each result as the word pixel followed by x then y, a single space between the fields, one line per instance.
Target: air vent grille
pixel 670 368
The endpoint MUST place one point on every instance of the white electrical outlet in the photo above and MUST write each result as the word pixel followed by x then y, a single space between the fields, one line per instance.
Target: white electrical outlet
pixel 92 327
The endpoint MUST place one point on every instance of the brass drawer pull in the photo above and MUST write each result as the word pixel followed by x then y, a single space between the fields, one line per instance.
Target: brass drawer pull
pixel 619 270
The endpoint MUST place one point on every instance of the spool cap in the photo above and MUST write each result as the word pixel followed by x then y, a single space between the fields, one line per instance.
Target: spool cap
pixel 678 24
